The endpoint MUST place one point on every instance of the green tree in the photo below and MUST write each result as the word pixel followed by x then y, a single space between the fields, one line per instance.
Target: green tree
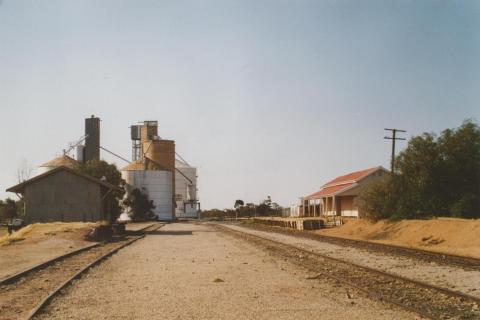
pixel 8 209
pixel 104 171
pixel 238 205
pixel 460 179
pixel 140 205
pixel 418 182
pixel 435 177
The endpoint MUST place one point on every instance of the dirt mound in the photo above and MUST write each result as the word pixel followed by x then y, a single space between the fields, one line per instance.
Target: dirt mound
pixel 454 236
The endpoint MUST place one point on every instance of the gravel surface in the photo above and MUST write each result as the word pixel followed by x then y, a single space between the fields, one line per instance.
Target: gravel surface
pixel 191 271
pixel 449 277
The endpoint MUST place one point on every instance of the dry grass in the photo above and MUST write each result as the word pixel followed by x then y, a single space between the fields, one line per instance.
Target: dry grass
pixel 15 236
pixel 48 229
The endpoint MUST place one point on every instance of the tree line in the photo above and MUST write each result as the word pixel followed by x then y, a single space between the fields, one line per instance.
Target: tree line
pixel 436 175
pixel 246 210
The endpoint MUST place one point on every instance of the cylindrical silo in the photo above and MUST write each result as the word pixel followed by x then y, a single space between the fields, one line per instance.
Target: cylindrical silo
pixel 157 184
pixel 92 140
pixel 81 153
pixel 162 152
pixel 186 190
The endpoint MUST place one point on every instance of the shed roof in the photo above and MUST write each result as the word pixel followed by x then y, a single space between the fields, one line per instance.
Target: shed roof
pixel 20 188
pixel 342 183
pixel 62 161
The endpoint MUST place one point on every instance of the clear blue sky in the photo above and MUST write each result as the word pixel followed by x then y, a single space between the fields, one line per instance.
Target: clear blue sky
pixel 265 97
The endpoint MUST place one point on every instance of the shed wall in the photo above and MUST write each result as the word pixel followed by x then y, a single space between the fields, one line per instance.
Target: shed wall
pixel 63 196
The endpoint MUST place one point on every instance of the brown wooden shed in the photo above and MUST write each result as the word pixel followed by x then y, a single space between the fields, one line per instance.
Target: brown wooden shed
pixel 64 194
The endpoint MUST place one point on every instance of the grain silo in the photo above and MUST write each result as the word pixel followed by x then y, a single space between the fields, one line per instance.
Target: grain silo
pixel 185 190
pixel 153 168
pixel 153 180
pixel 92 139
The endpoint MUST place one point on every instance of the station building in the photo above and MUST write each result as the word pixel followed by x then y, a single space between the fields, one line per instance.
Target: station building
pixel 340 196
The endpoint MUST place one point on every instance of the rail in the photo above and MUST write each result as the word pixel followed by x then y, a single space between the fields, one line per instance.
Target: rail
pixel 424 299
pixel 30 291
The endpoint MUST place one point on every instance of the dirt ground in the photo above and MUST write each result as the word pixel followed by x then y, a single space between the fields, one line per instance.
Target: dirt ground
pixel 454 236
pixel 190 271
pixel 448 277
pixel 40 242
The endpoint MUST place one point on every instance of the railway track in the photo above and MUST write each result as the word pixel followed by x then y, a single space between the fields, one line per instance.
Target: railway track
pixel 463 262
pixel 24 295
pixel 428 301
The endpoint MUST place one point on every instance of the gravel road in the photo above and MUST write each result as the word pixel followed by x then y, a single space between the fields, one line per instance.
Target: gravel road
pixel 453 278
pixel 191 271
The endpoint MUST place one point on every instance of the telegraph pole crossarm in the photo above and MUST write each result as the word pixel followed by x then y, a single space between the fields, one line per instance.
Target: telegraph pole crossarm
pixel 394 138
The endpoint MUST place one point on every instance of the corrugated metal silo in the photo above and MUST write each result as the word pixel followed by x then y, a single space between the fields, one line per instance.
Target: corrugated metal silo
pixel 156 183
pixel 186 190
pixel 81 153
pixel 162 152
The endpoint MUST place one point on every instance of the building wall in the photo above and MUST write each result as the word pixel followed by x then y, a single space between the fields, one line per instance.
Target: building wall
pixel 352 205
pixel 63 196
pixel 347 207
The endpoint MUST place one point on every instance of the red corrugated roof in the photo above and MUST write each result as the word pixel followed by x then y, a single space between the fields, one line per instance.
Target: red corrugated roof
pixel 327 191
pixel 351 177
pixel 342 182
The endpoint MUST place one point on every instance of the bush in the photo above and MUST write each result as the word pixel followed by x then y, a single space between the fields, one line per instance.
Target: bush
pixel 377 200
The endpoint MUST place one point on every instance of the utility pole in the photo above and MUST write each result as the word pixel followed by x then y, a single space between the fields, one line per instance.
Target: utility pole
pixel 393 138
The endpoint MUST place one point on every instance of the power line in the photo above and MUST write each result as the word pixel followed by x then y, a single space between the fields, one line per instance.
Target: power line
pixel 116 155
pixel 394 138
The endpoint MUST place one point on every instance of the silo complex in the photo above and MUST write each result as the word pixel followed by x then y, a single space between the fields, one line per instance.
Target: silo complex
pixel 170 183
pixel 153 168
